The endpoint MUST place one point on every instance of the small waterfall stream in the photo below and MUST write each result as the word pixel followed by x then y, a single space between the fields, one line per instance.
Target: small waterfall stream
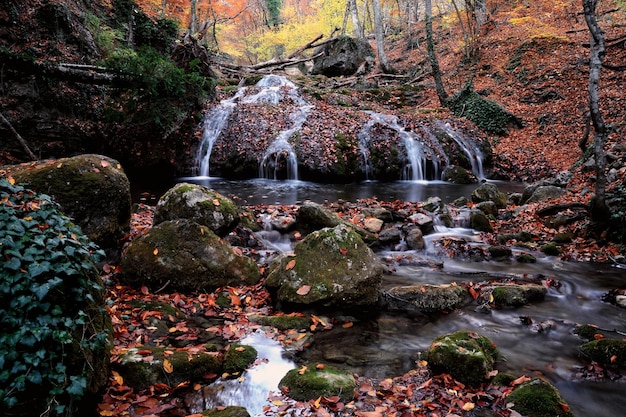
pixel 468 146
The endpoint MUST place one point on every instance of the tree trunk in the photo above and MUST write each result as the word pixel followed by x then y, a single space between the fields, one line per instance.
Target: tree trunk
pixel 597 51
pixel 432 57
pixel 356 22
pixel 383 62
pixel 193 18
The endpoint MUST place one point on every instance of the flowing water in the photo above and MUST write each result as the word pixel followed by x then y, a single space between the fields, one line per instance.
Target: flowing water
pixel 389 344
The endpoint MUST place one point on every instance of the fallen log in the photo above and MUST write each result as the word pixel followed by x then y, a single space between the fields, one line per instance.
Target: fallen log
pixel 19 138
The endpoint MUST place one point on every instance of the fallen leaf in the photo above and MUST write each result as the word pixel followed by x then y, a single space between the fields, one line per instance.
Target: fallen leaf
pixel 304 290
pixel 117 378
pixel 468 406
pixel 613 358
pixel 104 163
pixel 167 366
pixel 347 325
pixel 216 202
pixel 240 349
pixel 319 366
pixel 564 407
pixel 156 252
pixel 302 370
pixel 290 265
pixel 520 380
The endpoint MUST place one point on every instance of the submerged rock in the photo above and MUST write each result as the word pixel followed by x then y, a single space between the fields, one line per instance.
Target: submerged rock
pixel 185 256
pixel 424 298
pixel 467 356
pixel 316 382
pixel 199 204
pixel 331 267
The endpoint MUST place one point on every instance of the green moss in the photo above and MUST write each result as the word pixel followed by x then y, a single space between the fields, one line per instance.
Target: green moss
pixel 314 383
pixel 502 379
pixel 607 352
pixel 526 258
pixel 586 331
pixel 283 322
pixel 238 358
pixel 230 411
pixel 538 398
pixel 166 308
pixel 467 356
pixel 551 249
pixel 517 295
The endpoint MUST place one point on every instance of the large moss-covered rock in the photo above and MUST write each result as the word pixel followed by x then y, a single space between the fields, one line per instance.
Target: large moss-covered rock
pixel 544 192
pixel 199 204
pixel 230 411
pixel 316 382
pixel 91 189
pixel 479 222
pixel 538 398
pixel 518 295
pixel 489 192
pixel 187 257
pixel 313 216
pixel 607 352
pixel 424 298
pixel 56 333
pixel 467 356
pixel 142 371
pixel 238 358
pixel 331 267
pixel 343 56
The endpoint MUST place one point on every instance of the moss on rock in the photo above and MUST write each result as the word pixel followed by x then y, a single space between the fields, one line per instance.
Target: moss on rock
pixel 238 358
pixel 425 298
pixel 230 411
pixel 538 398
pixel 282 322
pixel 517 295
pixel 607 352
pixel 316 382
pixel 467 356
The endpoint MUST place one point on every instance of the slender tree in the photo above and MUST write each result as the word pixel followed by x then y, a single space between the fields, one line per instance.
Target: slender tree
pixel 432 56
pixel 379 33
pixel 597 52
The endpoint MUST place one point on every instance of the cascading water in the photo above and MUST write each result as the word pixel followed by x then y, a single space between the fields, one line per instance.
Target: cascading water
pixel 272 89
pixel 468 146
pixel 415 170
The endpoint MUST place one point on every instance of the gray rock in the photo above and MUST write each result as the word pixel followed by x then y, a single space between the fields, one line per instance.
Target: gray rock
pixel 432 204
pixel 200 205
pixel 415 239
pixel 479 222
pixel 545 192
pixel 379 213
pixel 343 56
pixel 488 207
pixel 424 298
pixel 424 222
pixel 185 256
pixel 390 236
pixel 517 295
pixel 489 192
pixel 331 267
pixel 313 216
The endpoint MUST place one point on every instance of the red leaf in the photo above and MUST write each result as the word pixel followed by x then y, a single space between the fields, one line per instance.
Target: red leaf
pixel 304 290
pixel 290 265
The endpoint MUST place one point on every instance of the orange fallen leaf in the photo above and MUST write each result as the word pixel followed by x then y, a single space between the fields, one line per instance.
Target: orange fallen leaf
pixel 520 380
pixel 216 202
pixel 118 378
pixel 290 265
pixel 468 406
pixel 156 252
pixel 240 349
pixel 104 163
pixel 319 366
pixel 564 407
pixel 304 290
pixel 347 325
pixel 302 370
pixel 613 358
pixel 167 366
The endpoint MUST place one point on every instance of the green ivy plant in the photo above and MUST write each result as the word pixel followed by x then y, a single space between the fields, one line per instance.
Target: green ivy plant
pixel 52 316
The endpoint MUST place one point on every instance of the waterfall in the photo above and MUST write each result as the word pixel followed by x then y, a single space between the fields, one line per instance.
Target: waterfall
pixel 469 147
pixel 415 170
pixel 280 150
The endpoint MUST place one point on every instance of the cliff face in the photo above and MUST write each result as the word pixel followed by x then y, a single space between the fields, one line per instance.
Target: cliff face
pixel 58 96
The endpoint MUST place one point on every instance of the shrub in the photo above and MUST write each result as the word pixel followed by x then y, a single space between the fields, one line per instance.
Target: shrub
pixel 55 337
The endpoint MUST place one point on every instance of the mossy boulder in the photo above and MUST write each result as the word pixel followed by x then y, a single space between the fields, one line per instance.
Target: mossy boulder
pixel 313 216
pixel 551 249
pixel 230 411
pixel 517 295
pixel 186 256
pixel 479 221
pixel 282 322
pixel 467 356
pixel 91 189
pixel 198 204
pixel 538 398
pixel 140 371
pixel 330 267
pixel 424 298
pixel 607 352
pixel 500 252
pixel 489 192
pixel 526 258
pixel 316 381
pixel 542 192
pixel 238 358
pixel 459 175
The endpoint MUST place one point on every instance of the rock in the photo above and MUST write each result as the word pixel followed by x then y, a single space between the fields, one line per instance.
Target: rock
pixel 620 301
pixel 347 275
pixel 500 253
pixel 343 56
pixel 459 175
pixel 526 258
pixel 200 205
pixel 373 224
pixel 517 295
pixel 91 189
pixel 389 236
pixel 432 204
pixel 489 192
pixel 467 356
pixel 460 202
pixel 140 373
pixel 315 383
pixel 538 398
pixel 488 207
pixel 229 411
pixel 424 222
pixel 550 249
pixel 312 216
pixel 379 213
pixel 238 358
pixel 544 193
pixel 415 239
pixel 187 257
pixel 282 322
pixel 607 352
pixel 424 298
pixel 479 222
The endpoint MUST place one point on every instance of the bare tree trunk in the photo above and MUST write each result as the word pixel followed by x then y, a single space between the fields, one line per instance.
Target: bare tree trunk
pixel 356 22
pixel 192 17
pixel 432 56
pixel 19 138
pixel 383 62
pixel 597 51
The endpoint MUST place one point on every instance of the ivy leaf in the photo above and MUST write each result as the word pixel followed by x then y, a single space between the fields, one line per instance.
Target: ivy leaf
pixel 77 386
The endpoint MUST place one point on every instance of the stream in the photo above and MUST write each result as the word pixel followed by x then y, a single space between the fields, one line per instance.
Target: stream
pixel 389 344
